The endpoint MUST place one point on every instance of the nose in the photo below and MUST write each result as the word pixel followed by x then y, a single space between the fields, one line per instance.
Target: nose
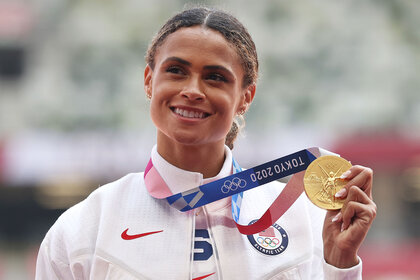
pixel 192 90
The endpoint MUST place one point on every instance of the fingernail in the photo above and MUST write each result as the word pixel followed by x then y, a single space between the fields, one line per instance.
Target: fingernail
pixel 341 193
pixel 336 217
pixel 345 174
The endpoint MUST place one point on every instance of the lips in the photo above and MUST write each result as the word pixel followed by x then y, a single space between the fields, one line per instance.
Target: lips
pixel 189 113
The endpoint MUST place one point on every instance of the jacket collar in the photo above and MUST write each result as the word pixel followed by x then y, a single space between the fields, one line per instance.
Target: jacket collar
pixel 179 180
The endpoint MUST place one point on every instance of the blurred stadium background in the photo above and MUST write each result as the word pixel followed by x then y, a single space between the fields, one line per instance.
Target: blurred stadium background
pixel 343 75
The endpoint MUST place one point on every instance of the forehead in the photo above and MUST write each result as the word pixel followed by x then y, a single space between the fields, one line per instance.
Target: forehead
pixel 187 42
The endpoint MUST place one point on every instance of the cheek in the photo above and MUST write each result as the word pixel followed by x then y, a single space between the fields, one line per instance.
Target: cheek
pixel 230 106
pixel 155 113
pixel 228 116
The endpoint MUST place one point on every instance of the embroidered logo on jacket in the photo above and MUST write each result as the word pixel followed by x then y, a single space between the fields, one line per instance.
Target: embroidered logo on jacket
pixel 127 236
pixel 272 241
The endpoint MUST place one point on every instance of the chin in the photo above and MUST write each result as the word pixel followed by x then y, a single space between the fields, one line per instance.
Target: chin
pixel 186 140
pixel 193 140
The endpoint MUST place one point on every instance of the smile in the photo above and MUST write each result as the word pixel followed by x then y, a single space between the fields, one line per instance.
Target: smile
pixel 189 114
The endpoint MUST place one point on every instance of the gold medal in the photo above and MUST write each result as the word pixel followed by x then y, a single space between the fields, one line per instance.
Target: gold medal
pixel 322 181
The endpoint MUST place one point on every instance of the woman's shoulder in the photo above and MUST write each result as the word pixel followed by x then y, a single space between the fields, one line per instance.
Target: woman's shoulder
pixel 83 219
pixel 107 193
pixel 115 189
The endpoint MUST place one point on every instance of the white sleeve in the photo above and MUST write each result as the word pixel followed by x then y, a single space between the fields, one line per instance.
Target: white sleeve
pixel 334 273
pixel 321 269
pixel 44 269
pixel 47 268
pixel 55 260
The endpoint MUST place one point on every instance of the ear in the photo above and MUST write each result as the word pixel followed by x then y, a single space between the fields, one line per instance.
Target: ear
pixel 148 81
pixel 247 99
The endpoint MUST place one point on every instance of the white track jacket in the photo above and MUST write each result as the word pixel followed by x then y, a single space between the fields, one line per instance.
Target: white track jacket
pixel 121 232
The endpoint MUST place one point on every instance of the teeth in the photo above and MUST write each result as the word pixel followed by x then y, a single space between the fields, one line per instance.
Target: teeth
pixel 189 114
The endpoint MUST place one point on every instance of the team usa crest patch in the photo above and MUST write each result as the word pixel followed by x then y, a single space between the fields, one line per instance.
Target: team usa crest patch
pixel 272 241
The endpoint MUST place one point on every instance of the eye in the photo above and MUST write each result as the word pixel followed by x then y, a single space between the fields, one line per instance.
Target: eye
pixel 216 77
pixel 175 70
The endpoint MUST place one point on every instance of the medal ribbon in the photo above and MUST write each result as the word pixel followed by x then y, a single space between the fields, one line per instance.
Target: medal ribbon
pixel 234 185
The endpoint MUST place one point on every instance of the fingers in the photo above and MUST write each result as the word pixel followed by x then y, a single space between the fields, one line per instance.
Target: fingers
pixel 358 205
pixel 359 176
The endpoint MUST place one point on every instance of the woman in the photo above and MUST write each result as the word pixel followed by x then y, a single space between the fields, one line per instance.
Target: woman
pixel 201 73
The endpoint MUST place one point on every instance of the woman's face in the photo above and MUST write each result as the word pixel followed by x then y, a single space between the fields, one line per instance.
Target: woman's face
pixel 196 87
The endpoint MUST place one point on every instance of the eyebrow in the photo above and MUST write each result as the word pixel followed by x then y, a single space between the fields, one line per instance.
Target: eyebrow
pixel 180 60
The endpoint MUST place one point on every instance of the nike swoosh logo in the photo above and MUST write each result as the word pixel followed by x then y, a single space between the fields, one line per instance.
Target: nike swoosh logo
pixel 127 236
pixel 202 277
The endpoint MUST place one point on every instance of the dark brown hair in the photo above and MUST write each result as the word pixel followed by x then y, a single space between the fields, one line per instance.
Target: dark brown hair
pixel 231 29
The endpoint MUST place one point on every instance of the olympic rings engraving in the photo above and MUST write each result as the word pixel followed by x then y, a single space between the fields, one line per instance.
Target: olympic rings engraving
pixel 233 185
pixel 267 241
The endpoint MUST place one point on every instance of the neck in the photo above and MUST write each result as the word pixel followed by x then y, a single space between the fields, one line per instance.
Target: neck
pixel 207 159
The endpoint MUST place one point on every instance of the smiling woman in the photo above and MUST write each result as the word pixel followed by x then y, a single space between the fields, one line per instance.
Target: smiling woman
pixel 196 72
pixel 201 73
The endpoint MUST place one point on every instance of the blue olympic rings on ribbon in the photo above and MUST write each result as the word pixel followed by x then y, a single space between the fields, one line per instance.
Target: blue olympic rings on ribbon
pixel 233 185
